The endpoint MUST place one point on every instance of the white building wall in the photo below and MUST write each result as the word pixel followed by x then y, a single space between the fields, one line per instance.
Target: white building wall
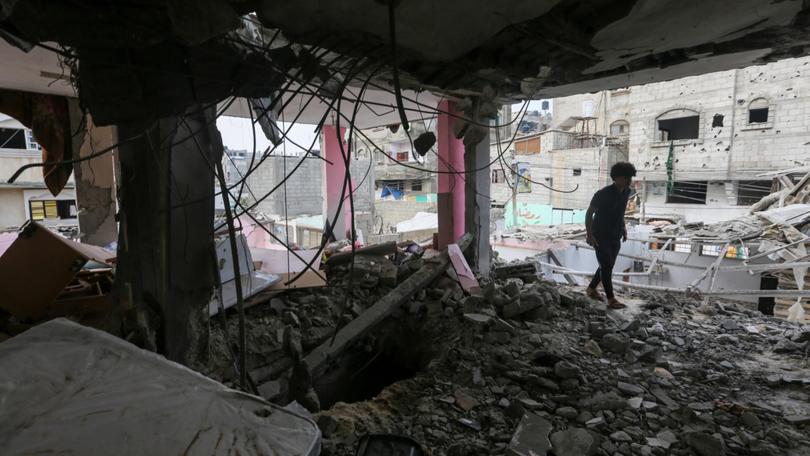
pixel 594 166
pixel 12 209
pixel 721 204
pixel 722 155
pixel 731 153
pixel 783 141
pixel 694 159
pixel 555 169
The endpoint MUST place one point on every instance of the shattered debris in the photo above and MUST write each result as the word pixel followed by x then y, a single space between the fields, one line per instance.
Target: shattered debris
pixel 538 368
pixel 44 275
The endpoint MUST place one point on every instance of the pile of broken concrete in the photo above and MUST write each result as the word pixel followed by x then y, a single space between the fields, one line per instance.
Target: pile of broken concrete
pixel 529 367
pixel 533 369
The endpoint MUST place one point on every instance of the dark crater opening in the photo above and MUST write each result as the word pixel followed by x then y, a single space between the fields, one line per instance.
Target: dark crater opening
pixel 395 352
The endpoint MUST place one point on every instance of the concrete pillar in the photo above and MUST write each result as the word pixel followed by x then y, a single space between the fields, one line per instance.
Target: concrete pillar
pixel 477 203
pixel 166 263
pixel 335 174
pixel 95 182
pixel 451 186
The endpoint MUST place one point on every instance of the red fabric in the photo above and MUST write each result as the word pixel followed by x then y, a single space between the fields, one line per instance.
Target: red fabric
pixel 47 116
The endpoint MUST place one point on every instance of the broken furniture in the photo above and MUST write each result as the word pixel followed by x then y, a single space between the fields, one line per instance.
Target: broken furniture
pixel 288 266
pixel 44 275
pixel 253 281
pixel 70 389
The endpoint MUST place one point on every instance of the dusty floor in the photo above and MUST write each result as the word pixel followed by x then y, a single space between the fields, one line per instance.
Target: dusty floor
pixel 665 376
pixel 666 380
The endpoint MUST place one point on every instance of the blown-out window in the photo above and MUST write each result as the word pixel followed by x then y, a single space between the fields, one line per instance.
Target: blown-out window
pixel 678 124
pixel 688 192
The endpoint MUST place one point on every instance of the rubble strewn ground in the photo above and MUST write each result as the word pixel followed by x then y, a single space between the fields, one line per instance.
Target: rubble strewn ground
pixel 538 368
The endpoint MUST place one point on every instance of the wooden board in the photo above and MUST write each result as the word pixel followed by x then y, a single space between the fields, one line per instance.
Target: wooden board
pixel 35 269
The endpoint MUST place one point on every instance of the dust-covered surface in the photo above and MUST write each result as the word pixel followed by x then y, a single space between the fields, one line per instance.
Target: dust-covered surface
pixel 536 366
pixel 671 380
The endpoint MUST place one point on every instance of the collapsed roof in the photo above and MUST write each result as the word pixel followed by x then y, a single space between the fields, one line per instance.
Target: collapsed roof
pixel 153 58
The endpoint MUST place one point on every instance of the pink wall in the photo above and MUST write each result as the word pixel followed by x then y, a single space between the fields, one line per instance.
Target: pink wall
pixel 451 186
pixel 335 173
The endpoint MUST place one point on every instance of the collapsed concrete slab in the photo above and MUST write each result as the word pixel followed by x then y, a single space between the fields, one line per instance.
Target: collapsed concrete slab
pixel 318 359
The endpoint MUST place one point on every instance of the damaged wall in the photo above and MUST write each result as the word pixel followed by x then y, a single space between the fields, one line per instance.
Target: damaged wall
pixel 95 186
pixel 720 205
pixel 705 157
pixel 736 149
pixel 304 194
pixel 165 272
pixel 303 187
pixel 782 141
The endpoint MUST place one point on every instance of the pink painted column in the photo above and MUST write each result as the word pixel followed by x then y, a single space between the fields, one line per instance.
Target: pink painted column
pixel 334 176
pixel 451 186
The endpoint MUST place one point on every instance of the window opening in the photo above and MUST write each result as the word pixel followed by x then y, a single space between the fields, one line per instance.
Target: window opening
pixel 759 115
pixel 52 209
pixel 758 111
pixel 679 128
pixel 12 138
pixel 750 192
pixel 688 192
pixel 619 128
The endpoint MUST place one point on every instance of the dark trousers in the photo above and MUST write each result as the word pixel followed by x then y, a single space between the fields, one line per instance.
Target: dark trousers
pixel 606 253
pixel 766 304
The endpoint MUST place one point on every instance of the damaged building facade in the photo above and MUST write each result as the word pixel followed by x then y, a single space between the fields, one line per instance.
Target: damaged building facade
pixel 576 163
pixel 405 182
pixel 706 147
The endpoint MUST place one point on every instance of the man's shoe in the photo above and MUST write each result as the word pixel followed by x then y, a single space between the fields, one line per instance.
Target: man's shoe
pixel 613 303
pixel 593 294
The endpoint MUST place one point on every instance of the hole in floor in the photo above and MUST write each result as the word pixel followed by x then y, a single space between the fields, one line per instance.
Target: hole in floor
pixel 399 353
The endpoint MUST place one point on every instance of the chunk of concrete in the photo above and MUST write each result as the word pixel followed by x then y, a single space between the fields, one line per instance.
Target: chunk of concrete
pixel 705 444
pixel 530 437
pixel 574 442
pixel 613 342
pixel 519 307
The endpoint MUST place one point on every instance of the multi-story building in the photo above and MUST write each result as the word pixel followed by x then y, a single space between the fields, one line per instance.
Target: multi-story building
pixel 235 164
pixel 398 167
pixel 299 202
pixel 403 182
pixel 721 133
pixel 703 146
pixel 558 169
pixel 28 198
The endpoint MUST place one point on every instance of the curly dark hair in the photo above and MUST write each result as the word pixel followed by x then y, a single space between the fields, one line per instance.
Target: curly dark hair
pixel 624 169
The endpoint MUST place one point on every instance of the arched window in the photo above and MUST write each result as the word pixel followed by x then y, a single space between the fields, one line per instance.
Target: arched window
pixel 758 111
pixel 619 128
pixel 678 124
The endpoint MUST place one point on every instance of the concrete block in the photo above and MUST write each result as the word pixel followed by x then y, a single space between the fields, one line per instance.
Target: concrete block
pixel 530 437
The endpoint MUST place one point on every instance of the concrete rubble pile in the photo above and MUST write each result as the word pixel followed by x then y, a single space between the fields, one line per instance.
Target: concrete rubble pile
pixel 528 367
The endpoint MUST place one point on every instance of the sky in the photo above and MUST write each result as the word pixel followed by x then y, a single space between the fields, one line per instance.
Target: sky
pixel 236 135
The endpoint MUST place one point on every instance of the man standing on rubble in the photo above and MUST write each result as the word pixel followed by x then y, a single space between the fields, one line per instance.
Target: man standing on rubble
pixel 605 228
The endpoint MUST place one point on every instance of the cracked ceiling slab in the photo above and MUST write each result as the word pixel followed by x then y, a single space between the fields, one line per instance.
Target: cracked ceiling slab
pixel 434 31
pixel 500 51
